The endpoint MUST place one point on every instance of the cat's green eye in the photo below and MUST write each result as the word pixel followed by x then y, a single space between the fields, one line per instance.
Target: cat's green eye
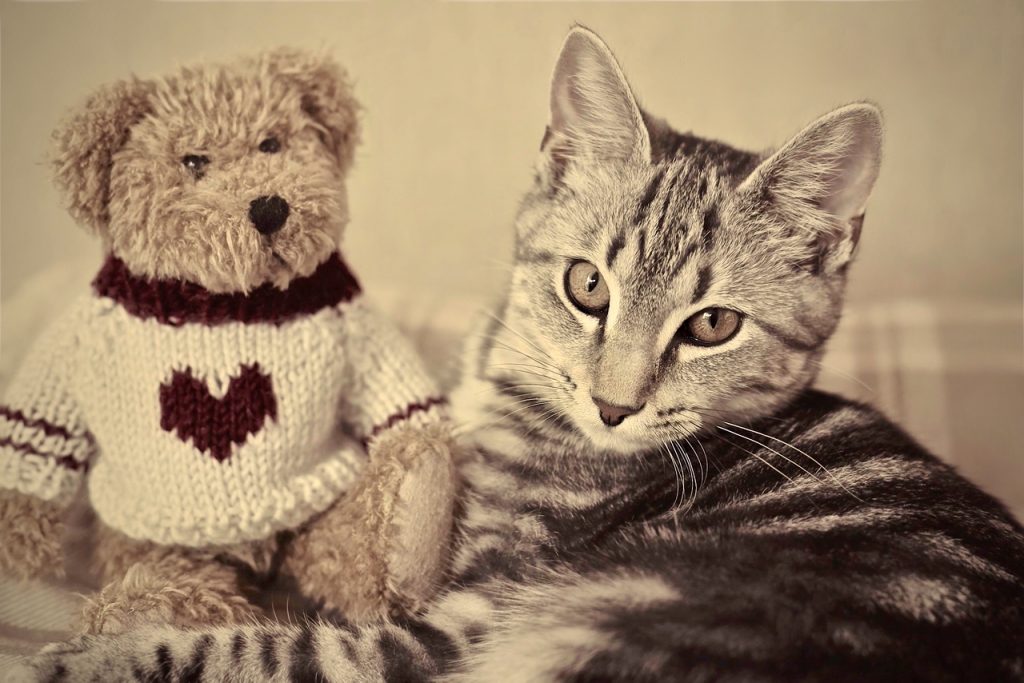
pixel 710 327
pixel 586 288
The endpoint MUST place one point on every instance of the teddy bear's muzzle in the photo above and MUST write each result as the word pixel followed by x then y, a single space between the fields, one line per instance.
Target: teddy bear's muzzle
pixel 268 214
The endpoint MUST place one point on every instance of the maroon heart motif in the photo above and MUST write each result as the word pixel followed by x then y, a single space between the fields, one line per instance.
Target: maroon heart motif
pixel 216 424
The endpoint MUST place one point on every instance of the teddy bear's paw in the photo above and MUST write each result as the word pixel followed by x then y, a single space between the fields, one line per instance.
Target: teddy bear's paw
pixel 421 525
pixel 143 597
pixel 117 609
pixel 30 537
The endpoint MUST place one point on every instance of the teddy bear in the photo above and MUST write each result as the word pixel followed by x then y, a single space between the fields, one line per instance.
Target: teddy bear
pixel 224 398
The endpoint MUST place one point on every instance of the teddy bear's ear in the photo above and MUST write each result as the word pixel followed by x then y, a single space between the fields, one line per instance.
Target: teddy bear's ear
pixel 326 96
pixel 85 143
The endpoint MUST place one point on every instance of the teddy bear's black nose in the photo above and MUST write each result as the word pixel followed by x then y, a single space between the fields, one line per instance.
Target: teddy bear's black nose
pixel 268 214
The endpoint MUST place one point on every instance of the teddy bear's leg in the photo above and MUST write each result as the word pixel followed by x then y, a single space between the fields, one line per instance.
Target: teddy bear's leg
pixel 148 583
pixel 382 547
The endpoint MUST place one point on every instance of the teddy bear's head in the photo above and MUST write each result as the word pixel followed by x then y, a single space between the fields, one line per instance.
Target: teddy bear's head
pixel 228 176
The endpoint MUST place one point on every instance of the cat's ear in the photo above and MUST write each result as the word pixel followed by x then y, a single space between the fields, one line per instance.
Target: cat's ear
pixel 818 183
pixel 594 115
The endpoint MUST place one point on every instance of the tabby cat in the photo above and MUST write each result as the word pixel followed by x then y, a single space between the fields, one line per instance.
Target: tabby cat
pixel 655 493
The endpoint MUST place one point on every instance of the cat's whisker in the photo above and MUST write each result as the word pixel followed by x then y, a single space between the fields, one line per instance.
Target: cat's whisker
pixel 700 410
pixel 532 398
pixel 520 367
pixel 497 342
pixel 525 403
pixel 801 452
pixel 685 459
pixel 750 452
pixel 527 387
pixel 509 266
pixel 504 415
pixel 691 456
pixel 486 391
pixel 845 375
pixel 678 474
pixel 703 465
pixel 787 459
pixel 549 417
pixel 518 334
pixel 707 458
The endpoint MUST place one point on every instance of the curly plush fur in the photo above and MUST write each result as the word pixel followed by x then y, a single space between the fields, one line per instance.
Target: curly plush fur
pixel 118 162
pixel 32 540
pixel 402 503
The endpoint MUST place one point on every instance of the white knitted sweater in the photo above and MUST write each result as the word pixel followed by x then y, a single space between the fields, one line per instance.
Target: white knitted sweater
pixel 201 419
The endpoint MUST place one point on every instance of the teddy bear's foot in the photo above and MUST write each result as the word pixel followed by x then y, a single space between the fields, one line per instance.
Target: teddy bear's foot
pixel 145 596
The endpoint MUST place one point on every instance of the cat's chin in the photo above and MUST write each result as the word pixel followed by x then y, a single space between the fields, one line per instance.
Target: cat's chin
pixel 615 441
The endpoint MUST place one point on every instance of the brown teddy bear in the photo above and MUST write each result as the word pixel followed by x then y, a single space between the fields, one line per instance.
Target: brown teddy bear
pixel 228 399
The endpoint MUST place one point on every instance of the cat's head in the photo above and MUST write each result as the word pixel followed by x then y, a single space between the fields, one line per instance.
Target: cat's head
pixel 664 283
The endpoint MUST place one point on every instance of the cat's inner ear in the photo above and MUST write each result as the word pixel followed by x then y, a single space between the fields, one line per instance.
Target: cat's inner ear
pixel 594 115
pixel 819 182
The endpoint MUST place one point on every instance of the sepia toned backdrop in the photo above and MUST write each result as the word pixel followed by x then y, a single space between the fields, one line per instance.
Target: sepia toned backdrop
pixel 455 97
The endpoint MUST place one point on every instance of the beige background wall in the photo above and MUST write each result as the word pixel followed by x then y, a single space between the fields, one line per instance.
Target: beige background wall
pixel 455 97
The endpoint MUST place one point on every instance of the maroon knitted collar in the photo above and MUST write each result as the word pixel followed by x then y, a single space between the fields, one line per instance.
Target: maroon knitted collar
pixel 176 302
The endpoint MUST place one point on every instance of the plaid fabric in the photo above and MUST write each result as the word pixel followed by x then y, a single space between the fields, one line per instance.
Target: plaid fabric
pixel 952 375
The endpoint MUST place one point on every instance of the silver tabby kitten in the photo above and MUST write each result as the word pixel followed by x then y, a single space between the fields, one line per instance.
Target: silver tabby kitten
pixel 656 494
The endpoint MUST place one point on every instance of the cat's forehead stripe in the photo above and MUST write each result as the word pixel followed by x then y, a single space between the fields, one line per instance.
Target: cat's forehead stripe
pixel 670 192
pixel 710 222
pixel 648 197
pixel 641 248
pixel 703 284
pixel 688 199
pixel 614 247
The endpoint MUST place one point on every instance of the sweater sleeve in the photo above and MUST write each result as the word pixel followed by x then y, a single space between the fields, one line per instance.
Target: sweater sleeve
pixel 389 385
pixel 44 444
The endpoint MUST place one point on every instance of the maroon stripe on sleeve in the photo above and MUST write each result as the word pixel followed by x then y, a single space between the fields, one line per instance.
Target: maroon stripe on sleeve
pixel 405 414
pixel 65 461
pixel 47 427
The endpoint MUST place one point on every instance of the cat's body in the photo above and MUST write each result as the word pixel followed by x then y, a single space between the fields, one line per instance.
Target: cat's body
pixel 889 567
pixel 712 519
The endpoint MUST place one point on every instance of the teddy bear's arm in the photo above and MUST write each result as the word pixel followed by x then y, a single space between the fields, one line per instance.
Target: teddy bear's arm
pixel 389 387
pixel 384 546
pixel 44 444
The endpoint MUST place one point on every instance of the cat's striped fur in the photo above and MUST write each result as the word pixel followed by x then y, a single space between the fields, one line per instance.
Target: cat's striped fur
pixel 738 527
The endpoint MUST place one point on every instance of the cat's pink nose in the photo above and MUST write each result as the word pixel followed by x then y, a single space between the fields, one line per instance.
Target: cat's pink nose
pixel 613 415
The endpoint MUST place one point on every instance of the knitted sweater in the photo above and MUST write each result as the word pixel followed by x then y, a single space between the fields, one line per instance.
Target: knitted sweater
pixel 198 418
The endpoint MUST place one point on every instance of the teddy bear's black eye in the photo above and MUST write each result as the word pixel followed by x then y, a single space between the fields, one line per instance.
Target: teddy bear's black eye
pixel 270 146
pixel 196 164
